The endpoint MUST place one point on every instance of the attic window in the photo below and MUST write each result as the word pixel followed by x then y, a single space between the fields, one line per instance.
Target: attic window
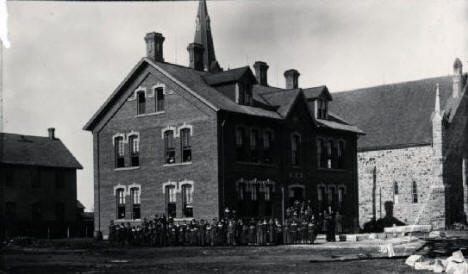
pixel 322 106
pixel 244 96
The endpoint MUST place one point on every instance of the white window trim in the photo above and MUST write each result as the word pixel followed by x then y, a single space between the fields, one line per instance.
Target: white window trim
pixel 186 182
pixel 159 85
pixel 120 186
pixel 133 185
pixel 290 187
pixel 169 128
pixel 185 126
pixel 169 183
pixel 133 96
pixel 319 186
pixel 123 135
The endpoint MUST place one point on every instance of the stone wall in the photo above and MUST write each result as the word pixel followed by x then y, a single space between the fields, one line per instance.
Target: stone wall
pixel 379 170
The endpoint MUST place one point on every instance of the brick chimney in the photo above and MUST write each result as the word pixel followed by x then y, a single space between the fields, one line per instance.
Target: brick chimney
pixel 196 56
pixel 154 46
pixel 292 79
pixel 261 69
pixel 51 131
pixel 457 84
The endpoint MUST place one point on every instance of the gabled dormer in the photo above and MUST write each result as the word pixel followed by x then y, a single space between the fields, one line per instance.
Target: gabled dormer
pixel 236 84
pixel 318 99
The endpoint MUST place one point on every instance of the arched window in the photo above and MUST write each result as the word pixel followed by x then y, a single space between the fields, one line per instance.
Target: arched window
pixel 330 154
pixel 169 146
pixel 119 151
pixel 120 201
pixel 186 145
pixel 187 200
pixel 341 196
pixel 296 149
pixel 267 143
pixel 240 143
pixel 134 148
pixel 414 192
pixel 171 201
pixel 135 199
pixel 341 159
pixel 395 192
pixel 159 97
pixel 254 143
pixel 141 102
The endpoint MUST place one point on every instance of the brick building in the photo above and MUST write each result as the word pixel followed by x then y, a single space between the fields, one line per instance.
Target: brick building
pixel 190 141
pixel 37 186
pixel 413 156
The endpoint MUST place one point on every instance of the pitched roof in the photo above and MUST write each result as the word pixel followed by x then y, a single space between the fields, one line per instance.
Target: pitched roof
pixel 229 76
pixel 270 102
pixel 315 92
pixel 394 115
pixel 36 151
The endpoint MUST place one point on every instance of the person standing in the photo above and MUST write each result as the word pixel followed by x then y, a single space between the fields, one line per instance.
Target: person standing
pixel 338 223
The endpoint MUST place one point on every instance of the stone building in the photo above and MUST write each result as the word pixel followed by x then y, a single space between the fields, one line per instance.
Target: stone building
pixel 37 186
pixel 413 156
pixel 187 142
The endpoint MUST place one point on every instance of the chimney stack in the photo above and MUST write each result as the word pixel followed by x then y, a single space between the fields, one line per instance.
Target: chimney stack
pixel 154 46
pixel 196 56
pixel 261 69
pixel 292 79
pixel 51 131
pixel 457 84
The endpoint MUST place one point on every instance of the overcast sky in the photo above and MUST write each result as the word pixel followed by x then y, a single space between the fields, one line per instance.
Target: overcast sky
pixel 66 58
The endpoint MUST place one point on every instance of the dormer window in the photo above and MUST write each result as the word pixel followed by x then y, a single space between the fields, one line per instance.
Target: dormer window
pixel 244 96
pixel 322 106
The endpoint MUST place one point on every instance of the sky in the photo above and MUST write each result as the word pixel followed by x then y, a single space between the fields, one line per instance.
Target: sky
pixel 66 58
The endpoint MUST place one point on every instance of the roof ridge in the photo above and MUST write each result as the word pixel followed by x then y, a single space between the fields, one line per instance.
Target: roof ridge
pixel 391 84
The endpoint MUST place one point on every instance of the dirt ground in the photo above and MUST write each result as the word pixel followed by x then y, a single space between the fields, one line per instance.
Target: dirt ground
pixel 88 256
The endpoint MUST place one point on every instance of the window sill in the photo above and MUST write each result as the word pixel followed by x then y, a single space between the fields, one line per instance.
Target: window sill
pixel 150 114
pixel 184 219
pixel 127 221
pixel 126 168
pixel 255 164
pixel 332 169
pixel 179 164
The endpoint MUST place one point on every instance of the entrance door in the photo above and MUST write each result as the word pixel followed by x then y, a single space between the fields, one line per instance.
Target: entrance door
pixel 296 194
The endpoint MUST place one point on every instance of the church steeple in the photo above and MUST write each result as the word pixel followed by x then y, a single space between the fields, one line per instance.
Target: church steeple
pixel 203 37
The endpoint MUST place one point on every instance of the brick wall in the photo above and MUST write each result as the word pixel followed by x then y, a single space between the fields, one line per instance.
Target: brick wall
pixel 181 108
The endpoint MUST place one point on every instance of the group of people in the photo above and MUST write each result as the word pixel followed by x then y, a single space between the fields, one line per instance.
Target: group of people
pixel 299 228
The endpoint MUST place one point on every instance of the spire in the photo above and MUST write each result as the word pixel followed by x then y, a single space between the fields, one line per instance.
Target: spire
pixel 203 37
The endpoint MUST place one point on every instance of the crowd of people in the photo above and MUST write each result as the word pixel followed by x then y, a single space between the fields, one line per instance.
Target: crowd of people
pixel 301 226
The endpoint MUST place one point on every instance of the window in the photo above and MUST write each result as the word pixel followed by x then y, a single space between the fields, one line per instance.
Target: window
pixel 241 95
pixel 141 102
pixel 341 159
pixel 335 152
pixel 171 201
pixel 240 143
pixel 186 145
pixel 414 192
pixel 135 199
pixel 329 154
pixel 321 197
pixel 395 193
pixel 323 154
pixel 119 152
pixel 267 198
pixel 59 178
pixel 10 210
pixel 245 94
pixel 120 199
pixel 159 96
pixel 134 146
pixel 60 212
pixel 331 196
pixel 321 109
pixel 341 193
pixel 187 200
pixel 267 140
pixel 254 145
pixel 295 149
pixel 169 146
